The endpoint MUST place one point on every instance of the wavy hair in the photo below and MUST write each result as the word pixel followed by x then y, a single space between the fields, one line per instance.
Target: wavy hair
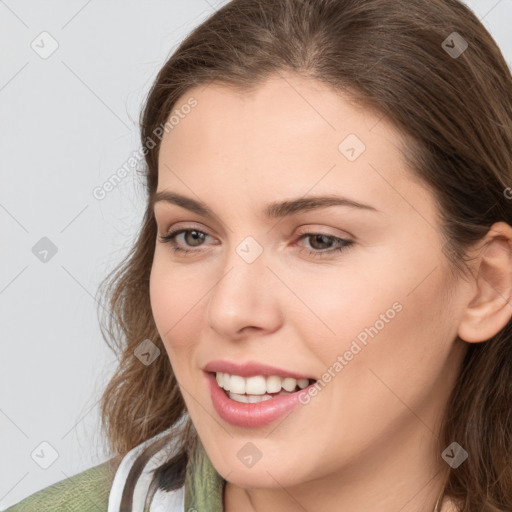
pixel 392 57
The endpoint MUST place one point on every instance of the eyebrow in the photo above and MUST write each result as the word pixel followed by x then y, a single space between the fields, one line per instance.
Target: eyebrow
pixel 275 210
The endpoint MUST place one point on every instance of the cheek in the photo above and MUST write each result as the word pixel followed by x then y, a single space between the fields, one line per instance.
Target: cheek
pixel 332 306
pixel 176 306
pixel 394 352
pixel 388 320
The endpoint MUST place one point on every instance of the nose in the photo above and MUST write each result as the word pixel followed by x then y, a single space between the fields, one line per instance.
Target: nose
pixel 244 299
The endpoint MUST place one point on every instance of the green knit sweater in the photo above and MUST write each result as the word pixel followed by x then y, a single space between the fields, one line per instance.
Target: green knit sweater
pixel 89 490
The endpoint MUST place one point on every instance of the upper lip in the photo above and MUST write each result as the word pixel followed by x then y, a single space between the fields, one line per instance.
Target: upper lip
pixel 251 368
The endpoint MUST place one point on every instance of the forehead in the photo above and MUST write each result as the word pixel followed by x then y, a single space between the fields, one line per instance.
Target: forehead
pixel 291 133
pixel 284 107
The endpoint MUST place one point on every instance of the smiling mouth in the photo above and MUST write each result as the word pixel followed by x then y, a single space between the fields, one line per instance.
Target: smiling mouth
pixel 258 388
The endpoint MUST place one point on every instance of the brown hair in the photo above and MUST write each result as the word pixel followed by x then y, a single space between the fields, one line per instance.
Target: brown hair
pixel 393 57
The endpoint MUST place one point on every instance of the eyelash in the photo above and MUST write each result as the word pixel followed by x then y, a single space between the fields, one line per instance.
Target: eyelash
pixel 345 243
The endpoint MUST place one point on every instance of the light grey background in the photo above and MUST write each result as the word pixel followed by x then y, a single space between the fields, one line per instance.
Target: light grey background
pixel 67 123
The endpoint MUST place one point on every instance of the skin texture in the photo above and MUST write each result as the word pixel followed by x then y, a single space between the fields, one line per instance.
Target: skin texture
pixel 367 439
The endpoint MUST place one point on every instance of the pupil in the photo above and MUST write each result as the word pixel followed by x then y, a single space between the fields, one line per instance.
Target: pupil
pixel 196 235
pixel 319 238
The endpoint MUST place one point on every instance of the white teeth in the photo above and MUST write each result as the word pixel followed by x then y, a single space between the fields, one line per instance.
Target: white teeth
pixel 258 384
pixel 239 398
pixel 237 384
pixel 273 384
pixel 303 383
pixel 253 399
pixel 289 384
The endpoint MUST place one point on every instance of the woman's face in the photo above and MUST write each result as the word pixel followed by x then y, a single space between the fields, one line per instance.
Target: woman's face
pixel 374 323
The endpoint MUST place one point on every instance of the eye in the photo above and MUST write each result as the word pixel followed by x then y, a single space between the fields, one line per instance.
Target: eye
pixel 195 238
pixel 341 244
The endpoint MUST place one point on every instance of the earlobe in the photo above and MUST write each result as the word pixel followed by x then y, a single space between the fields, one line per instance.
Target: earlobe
pixel 490 308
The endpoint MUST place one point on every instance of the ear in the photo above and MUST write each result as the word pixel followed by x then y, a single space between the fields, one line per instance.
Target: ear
pixel 489 309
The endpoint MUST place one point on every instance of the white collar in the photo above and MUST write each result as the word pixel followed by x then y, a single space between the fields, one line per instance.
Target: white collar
pixel 163 501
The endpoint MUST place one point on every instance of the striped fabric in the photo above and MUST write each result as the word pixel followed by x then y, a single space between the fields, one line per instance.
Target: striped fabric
pixel 172 501
pixel 202 491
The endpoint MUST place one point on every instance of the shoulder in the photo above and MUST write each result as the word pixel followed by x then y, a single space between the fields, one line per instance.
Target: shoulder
pixel 88 490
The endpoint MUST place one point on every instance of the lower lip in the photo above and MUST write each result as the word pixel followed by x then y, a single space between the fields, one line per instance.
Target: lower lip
pixel 251 415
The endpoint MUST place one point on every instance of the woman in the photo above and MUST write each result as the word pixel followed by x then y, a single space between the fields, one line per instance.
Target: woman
pixel 328 219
